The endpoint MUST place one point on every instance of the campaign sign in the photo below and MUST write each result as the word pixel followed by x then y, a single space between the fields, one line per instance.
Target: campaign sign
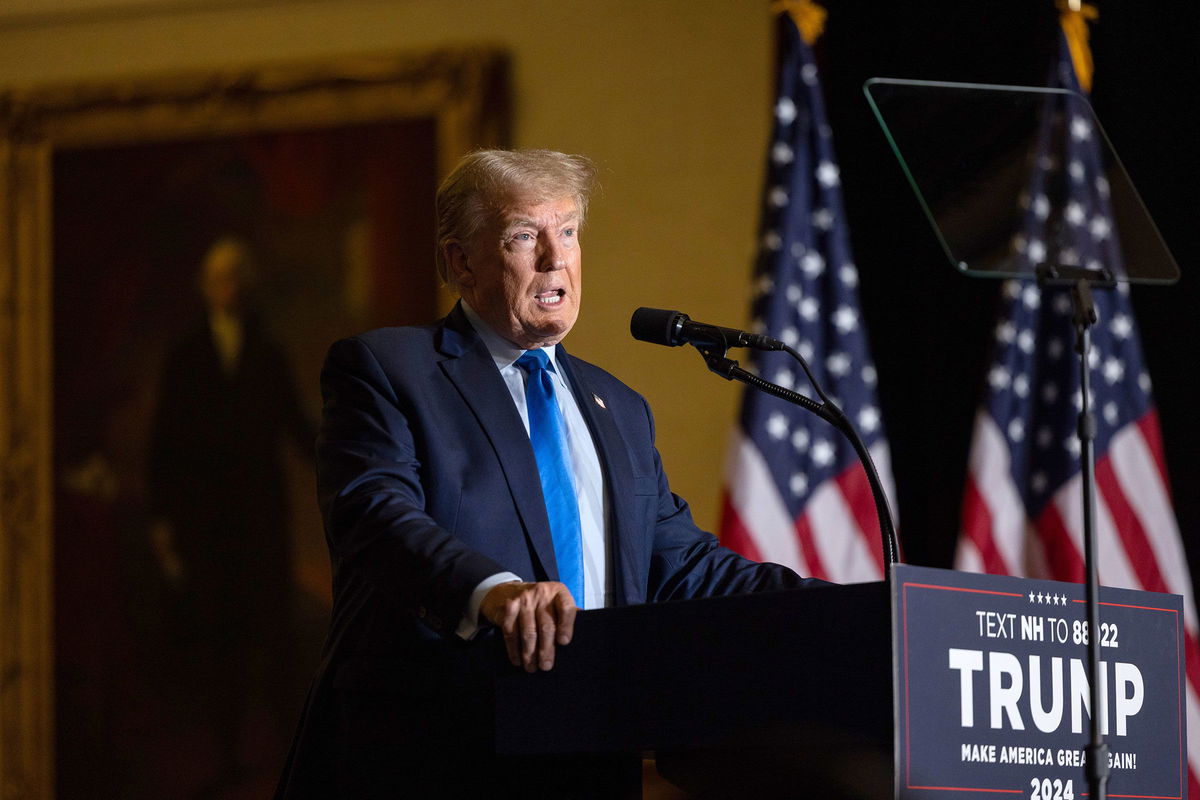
pixel 992 690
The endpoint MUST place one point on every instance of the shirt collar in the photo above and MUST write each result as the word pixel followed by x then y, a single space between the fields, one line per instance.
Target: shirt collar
pixel 503 352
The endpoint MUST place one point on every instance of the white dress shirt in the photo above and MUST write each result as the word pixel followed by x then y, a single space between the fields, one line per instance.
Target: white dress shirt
pixel 585 468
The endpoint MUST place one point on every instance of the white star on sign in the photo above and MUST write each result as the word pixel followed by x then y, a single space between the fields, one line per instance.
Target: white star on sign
pixel 789 336
pixel 1076 170
pixel 782 154
pixel 808 74
pixel 777 197
pixel 868 419
pixel 848 275
pixel 798 484
pixel 785 378
pixel 771 240
pixel 800 439
pixel 1111 414
pixel 809 309
pixel 822 219
pixel 868 375
pixel 1021 386
pixel 777 426
pixel 1016 429
pixel 1100 228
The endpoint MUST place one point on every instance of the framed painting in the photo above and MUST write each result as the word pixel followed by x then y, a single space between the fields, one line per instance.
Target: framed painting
pixel 175 257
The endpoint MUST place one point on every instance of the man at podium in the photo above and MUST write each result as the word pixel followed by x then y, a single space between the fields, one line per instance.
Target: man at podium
pixel 479 483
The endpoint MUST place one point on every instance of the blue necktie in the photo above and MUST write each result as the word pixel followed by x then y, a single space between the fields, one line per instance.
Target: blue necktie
pixel 548 434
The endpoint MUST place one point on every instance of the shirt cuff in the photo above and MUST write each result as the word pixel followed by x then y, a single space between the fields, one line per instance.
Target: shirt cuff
pixel 469 626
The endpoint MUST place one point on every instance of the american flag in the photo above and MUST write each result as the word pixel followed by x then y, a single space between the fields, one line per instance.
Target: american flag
pixel 1022 512
pixel 795 493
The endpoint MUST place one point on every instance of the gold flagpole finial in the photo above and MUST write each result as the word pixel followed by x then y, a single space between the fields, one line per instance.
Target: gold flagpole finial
pixel 1074 16
pixel 808 16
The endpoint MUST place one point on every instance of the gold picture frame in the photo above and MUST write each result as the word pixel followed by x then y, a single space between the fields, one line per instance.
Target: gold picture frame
pixel 465 92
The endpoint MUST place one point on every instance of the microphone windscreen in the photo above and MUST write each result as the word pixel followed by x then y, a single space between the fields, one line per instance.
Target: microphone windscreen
pixel 654 325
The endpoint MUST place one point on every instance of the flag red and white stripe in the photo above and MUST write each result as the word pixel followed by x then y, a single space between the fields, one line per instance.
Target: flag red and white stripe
pixel 1022 510
pixel 795 493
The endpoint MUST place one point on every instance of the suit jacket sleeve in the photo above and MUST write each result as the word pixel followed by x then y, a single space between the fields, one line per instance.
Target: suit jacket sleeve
pixel 372 498
pixel 687 562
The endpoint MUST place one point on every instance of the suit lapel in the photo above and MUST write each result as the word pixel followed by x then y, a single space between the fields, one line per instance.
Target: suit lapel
pixel 470 367
pixel 630 558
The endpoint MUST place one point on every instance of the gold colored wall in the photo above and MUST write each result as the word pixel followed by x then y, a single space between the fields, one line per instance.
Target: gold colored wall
pixel 671 98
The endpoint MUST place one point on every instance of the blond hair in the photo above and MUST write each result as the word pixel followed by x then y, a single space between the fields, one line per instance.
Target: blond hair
pixel 486 178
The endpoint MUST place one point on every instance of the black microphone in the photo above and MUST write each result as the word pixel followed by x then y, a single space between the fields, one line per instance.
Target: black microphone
pixel 673 328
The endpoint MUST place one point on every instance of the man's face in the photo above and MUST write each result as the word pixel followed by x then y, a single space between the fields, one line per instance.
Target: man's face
pixel 521 270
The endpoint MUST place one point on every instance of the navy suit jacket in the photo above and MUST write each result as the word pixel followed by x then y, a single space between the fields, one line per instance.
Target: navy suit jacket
pixel 428 485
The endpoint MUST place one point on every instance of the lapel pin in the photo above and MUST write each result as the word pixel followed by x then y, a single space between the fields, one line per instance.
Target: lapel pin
pixel 599 402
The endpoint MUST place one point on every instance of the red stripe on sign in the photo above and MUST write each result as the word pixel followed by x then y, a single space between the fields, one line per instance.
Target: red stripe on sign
pixel 855 487
pixel 977 525
pixel 1062 557
pixel 734 534
pixel 808 546
pixel 1138 549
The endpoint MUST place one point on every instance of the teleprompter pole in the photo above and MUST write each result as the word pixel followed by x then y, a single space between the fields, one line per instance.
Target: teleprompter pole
pixel 1097 750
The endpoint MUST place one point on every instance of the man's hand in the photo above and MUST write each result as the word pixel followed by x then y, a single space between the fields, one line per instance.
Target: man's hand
pixel 533 618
